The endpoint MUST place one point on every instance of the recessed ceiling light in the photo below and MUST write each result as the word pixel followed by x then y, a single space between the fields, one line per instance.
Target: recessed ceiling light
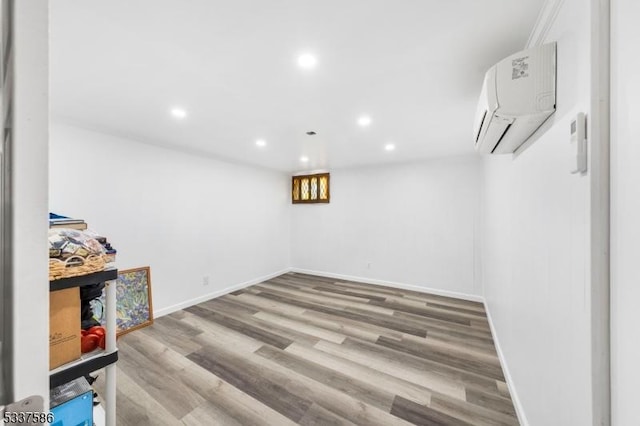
pixel 178 113
pixel 364 121
pixel 261 142
pixel 307 61
pixel 389 147
pixel 304 159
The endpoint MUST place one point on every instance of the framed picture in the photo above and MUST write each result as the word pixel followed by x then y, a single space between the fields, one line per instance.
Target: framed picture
pixel 133 300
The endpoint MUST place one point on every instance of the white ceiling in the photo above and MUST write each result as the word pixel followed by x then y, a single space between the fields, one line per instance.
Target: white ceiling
pixel 414 66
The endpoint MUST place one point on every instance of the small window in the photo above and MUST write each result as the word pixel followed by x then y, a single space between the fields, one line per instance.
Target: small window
pixel 310 188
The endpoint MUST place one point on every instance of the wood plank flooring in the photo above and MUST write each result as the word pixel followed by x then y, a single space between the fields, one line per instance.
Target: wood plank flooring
pixel 300 349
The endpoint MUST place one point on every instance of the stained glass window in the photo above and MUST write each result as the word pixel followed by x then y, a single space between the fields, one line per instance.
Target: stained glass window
pixel 324 187
pixel 310 188
pixel 304 189
pixel 314 187
pixel 296 190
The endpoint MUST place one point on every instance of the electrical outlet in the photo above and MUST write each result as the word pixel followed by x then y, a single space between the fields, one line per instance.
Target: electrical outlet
pixel 205 280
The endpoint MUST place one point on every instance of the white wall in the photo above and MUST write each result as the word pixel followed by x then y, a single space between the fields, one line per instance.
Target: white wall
pixel 30 120
pixel 414 223
pixel 625 213
pixel 536 247
pixel 185 216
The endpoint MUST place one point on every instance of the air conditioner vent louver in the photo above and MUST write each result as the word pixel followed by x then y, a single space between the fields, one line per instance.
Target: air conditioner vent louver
pixel 481 124
pixel 506 129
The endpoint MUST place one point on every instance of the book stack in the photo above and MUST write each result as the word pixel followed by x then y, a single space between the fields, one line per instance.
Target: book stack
pixel 58 221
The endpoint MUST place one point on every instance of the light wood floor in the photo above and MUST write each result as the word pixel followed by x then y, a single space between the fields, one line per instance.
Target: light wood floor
pixel 308 350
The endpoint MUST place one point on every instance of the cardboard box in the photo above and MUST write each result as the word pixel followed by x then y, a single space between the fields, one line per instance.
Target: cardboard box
pixel 64 326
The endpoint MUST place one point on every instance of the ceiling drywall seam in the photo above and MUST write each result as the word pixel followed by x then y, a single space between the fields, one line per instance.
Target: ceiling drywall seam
pixel 545 21
pixel 599 141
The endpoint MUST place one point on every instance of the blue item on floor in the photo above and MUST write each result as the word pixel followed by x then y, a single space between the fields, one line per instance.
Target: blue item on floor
pixel 72 404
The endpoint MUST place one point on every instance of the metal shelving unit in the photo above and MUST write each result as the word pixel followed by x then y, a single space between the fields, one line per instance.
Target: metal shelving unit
pixel 97 359
pixel 83 280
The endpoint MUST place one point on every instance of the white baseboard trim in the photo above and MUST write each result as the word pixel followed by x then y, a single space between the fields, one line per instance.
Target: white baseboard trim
pixel 173 308
pixel 412 287
pixel 505 369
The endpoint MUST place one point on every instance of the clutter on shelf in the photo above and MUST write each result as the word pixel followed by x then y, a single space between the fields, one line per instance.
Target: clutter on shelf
pixel 109 251
pixel 76 251
pixel 73 253
pixel 80 270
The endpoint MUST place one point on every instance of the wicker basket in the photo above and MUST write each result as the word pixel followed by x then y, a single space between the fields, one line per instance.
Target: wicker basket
pixel 75 266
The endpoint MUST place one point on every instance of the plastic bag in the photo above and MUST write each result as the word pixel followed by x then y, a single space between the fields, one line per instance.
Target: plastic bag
pixel 64 243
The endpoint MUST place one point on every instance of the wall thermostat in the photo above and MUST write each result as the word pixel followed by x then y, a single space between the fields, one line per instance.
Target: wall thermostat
pixel 578 144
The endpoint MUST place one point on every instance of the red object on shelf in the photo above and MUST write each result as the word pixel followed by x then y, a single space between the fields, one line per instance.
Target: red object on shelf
pixel 88 343
pixel 92 338
pixel 97 330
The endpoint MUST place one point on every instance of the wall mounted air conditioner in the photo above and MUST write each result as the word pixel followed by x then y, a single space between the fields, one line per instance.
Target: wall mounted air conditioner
pixel 518 95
